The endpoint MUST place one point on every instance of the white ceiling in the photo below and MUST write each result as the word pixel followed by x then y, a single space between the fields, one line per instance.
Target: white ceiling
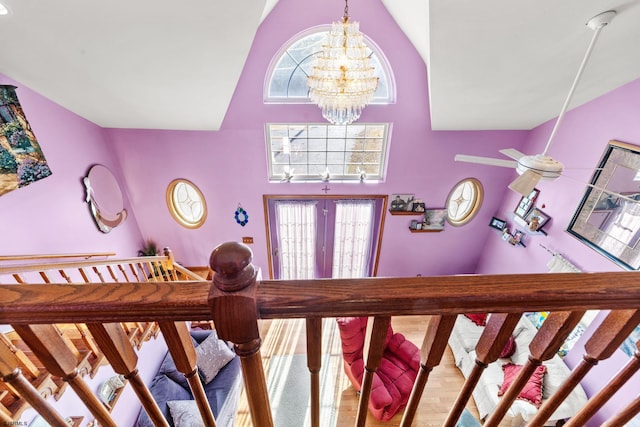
pixel 495 64
pixel 509 64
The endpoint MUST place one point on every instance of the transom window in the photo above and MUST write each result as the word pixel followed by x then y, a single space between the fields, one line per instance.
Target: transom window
pixel 287 76
pixel 315 152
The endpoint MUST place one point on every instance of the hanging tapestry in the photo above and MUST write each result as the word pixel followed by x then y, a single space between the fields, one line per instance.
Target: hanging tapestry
pixel 21 159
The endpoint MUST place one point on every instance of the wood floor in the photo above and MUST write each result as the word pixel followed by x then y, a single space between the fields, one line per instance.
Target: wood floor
pixel 339 398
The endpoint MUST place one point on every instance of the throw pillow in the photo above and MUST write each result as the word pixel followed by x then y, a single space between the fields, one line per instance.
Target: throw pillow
pixel 168 367
pixel 532 391
pixel 509 348
pixel 479 319
pixel 185 413
pixel 213 355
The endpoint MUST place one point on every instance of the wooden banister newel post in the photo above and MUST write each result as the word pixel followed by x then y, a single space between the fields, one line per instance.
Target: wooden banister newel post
pixel 232 299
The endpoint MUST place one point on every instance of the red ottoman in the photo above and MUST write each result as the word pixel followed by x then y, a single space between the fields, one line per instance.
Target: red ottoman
pixel 393 381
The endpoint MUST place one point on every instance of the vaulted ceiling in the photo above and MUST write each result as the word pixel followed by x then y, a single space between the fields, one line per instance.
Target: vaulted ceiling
pixel 496 64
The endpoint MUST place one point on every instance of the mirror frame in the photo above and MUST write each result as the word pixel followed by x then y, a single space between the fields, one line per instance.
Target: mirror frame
pixel 616 154
pixel 105 220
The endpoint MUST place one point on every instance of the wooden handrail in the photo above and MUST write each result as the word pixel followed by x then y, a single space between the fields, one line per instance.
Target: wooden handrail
pixel 325 298
pixel 79 340
pixel 23 268
pixel 236 300
pixel 86 255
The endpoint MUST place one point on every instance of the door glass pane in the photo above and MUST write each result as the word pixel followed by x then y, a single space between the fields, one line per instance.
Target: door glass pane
pixel 296 228
pixel 352 238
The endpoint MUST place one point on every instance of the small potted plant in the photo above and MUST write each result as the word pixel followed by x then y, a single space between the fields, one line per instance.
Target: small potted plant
pixel 150 248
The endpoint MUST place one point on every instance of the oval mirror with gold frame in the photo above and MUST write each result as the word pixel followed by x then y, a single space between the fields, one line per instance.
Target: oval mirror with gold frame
pixel 186 203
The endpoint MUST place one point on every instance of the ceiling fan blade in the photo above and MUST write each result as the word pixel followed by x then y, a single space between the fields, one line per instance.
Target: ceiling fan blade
pixel 525 183
pixel 513 153
pixel 485 161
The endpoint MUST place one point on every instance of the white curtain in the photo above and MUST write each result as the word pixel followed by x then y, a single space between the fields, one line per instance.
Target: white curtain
pixel 352 238
pixel 559 264
pixel 296 239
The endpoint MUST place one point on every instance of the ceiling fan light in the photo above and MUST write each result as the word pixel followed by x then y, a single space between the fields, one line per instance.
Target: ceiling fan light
pixel 525 183
pixel 545 166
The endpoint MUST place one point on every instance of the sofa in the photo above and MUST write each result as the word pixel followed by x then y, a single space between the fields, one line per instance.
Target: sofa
pixel 463 339
pixel 394 378
pixel 220 371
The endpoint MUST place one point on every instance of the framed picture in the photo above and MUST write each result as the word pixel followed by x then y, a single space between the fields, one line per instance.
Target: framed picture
pixel 401 202
pixel 526 203
pixel 518 236
pixel 536 219
pixel 22 161
pixel 418 206
pixel 497 223
pixel 434 219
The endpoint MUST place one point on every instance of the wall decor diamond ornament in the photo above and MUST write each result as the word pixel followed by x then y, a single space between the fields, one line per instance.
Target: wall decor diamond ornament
pixel 242 217
pixel 22 161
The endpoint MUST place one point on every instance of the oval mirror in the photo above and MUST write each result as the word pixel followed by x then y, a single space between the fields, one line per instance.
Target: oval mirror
pixel 104 198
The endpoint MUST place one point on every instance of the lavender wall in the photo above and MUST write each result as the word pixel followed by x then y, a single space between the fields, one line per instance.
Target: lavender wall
pixel 50 215
pixel 230 167
pixel 580 142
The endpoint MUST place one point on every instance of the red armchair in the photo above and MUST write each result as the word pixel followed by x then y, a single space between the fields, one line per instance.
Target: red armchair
pixel 393 381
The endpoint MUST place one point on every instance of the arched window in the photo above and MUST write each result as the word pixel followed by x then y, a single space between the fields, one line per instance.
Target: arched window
pixel 287 75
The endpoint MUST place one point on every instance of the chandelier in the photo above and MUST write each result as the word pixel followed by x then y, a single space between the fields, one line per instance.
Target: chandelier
pixel 342 82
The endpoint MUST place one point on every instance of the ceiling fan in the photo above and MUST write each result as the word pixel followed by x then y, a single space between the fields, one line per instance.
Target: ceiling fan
pixel 533 168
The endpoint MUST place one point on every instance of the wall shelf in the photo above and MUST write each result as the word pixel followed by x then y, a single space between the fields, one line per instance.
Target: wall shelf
pixel 405 213
pixel 424 231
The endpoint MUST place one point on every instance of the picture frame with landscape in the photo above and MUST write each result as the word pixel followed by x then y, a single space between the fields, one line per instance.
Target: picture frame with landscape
pixel 434 219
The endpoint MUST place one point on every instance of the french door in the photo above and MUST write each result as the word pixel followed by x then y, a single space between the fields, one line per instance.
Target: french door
pixel 324 236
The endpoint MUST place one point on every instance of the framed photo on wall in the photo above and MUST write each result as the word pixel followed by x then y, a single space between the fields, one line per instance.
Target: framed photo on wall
pixel 536 219
pixel 401 202
pixel 434 219
pixel 418 206
pixel 497 223
pixel 526 203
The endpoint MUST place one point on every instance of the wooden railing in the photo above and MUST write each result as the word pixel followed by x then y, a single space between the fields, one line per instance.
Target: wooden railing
pixel 47 355
pixel 236 300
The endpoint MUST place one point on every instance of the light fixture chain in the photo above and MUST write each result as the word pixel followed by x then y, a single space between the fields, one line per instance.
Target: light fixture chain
pixel 346 10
